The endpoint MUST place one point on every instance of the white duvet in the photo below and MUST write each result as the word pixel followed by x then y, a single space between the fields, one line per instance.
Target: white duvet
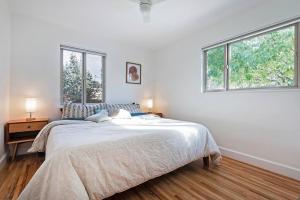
pixel 86 160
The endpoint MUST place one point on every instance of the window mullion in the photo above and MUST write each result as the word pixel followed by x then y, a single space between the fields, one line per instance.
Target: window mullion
pixel 297 55
pixel 226 64
pixel 204 75
pixel 103 79
pixel 62 81
pixel 84 78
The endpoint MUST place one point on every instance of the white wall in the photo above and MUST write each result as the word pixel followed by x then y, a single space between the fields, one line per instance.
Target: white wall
pixel 259 127
pixel 4 71
pixel 35 70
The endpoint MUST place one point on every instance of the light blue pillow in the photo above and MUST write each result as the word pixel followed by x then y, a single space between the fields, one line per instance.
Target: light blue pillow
pixel 98 110
pixel 99 117
pixel 138 114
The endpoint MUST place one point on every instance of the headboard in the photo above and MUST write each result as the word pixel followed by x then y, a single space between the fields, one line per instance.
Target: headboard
pixel 61 108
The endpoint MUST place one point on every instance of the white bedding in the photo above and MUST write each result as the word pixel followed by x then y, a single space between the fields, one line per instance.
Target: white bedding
pixel 96 160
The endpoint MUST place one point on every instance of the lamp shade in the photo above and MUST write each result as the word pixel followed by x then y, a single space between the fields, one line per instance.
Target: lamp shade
pixel 150 103
pixel 30 105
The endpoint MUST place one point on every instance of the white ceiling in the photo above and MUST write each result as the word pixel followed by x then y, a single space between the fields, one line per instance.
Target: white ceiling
pixel 122 21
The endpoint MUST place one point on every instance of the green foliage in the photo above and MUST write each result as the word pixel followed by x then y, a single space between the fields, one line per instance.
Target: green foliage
pixel 263 61
pixel 215 69
pixel 72 79
pixel 94 89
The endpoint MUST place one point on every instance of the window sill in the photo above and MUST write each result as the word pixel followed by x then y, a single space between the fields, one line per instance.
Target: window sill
pixel 254 90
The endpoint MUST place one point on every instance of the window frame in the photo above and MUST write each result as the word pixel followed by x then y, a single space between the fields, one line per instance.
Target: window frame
pixel 226 44
pixel 84 53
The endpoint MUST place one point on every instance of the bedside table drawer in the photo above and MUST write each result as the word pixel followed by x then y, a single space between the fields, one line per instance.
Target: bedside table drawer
pixel 25 127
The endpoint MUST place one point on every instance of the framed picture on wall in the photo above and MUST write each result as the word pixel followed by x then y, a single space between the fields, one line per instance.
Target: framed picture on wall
pixel 133 73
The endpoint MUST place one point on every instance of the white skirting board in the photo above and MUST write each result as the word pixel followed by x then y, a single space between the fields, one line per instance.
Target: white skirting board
pixel 3 161
pixel 275 167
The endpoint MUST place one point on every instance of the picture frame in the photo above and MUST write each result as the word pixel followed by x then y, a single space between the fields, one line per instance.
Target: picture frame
pixel 133 73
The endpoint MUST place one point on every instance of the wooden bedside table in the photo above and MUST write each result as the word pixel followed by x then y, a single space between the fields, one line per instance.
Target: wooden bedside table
pixel 22 131
pixel 156 113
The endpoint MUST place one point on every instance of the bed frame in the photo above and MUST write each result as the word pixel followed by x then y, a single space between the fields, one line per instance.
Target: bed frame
pixel 206 162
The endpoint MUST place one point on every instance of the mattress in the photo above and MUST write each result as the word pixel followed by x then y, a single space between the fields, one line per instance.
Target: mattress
pixel 86 160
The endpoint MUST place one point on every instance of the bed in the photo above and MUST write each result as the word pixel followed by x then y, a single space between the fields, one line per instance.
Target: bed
pixel 87 160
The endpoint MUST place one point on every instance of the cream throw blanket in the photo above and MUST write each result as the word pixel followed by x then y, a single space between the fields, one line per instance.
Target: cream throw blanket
pixel 87 160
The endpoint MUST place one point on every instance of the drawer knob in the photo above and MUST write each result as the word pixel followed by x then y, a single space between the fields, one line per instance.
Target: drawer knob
pixel 28 126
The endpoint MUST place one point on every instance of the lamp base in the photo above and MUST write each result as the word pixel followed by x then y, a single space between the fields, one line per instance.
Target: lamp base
pixel 30 119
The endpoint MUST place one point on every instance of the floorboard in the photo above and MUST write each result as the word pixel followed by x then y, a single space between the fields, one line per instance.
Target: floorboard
pixel 231 180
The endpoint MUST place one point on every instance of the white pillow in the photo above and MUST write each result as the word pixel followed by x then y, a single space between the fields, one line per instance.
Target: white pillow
pixel 121 114
pixel 99 117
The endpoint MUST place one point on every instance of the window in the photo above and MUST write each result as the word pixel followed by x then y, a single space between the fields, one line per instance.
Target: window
pixel 263 59
pixel 82 75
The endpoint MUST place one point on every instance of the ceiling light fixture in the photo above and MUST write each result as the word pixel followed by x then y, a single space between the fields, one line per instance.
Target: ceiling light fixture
pixel 145 8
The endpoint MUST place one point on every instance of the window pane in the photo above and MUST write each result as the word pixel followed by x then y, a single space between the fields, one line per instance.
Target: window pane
pixel 72 76
pixel 94 83
pixel 263 61
pixel 215 68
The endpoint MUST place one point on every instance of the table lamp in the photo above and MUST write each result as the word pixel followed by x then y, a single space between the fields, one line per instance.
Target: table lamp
pixel 30 106
pixel 150 104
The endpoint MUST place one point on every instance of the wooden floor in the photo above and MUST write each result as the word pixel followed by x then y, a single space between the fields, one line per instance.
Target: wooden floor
pixel 231 180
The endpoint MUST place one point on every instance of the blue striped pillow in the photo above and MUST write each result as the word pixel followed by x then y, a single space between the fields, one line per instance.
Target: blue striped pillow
pixel 80 111
pixel 73 111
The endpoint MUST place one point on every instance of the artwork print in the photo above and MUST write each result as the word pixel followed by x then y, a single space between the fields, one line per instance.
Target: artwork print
pixel 133 73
